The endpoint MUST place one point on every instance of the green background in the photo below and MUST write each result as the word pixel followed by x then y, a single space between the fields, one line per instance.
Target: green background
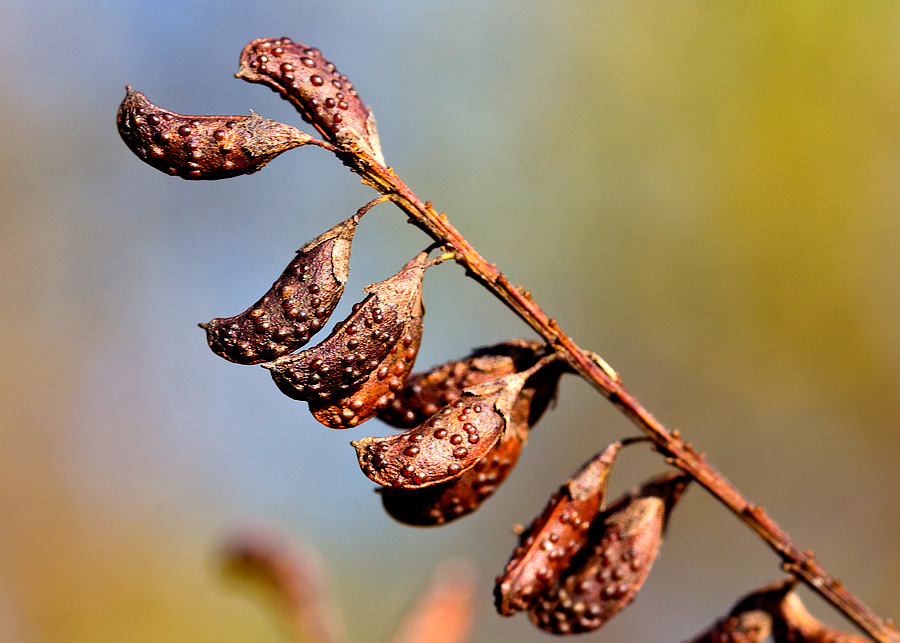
pixel 706 195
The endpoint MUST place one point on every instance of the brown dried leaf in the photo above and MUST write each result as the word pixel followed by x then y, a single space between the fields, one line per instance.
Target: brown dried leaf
pixel 605 576
pixel 548 545
pixel 447 501
pixel 444 447
pixel 202 147
pixel 296 306
pixel 324 97
pixel 366 357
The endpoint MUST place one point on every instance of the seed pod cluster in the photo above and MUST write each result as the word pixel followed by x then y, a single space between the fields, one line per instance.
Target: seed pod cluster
pixel 358 369
pixel 325 98
pixel 202 147
pixel 559 533
pixel 604 577
pixel 296 306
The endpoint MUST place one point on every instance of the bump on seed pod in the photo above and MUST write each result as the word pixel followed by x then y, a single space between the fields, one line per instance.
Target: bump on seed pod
pixel 324 97
pixel 448 444
pixel 447 501
pixel 202 147
pixel 548 545
pixel 357 369
pixel 425 393
pixel 296 306
pixel 605 576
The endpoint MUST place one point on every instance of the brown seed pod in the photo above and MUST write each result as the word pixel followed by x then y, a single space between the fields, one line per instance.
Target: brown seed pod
pixel 296 306
pixel 607 573
pixel 367 356
pixel 447 501
pixel 750 619
pixel 426 393
pixel 324 97
pixel 548 545
pixel 794 624
pixel 447 445
pixel 202 147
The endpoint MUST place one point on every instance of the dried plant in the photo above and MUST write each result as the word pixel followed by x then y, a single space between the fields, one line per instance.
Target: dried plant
pixel 465 421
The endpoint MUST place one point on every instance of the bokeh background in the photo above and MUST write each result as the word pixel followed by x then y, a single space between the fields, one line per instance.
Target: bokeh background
pixel 707 195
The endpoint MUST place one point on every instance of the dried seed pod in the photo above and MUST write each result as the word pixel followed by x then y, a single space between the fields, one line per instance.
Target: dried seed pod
pixel 324 97
pixel 753 626
pixel 794 624
pixel 607 573
pixel 447 445
pixel 296 306
pixel 548 545
pixel 367 356
pixel 750 619
pixel 441 503
pixel 425 393
pixel 202 147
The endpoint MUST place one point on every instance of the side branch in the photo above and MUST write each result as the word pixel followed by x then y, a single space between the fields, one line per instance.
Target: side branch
pixel 595 371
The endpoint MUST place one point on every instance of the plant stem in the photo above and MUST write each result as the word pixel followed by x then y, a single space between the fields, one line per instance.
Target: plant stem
pixel 594 370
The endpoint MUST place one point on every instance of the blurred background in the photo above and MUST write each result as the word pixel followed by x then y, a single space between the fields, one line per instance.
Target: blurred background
pixel 707 196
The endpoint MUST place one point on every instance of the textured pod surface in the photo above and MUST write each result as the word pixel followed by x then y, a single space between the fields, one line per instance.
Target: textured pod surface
pixel 424 394
pixel 383 331
pixel 323 96
pixel 561 531
pixel 201 147
pixel 296 306
pixel 441 503
pixel 747 627
pixel 345 410
pixel 605 576
pixel 448 444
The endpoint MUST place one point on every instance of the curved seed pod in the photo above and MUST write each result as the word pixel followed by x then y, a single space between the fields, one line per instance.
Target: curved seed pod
pixel 202 147
pixel 324 97
pixel 441 503
pixel 607 573
pixel 794 624
pixel 384 325
pixel 548 545
pixel 750 619
pixel 296 306
pixel 444 447
pixel 753 626
pixel 425 393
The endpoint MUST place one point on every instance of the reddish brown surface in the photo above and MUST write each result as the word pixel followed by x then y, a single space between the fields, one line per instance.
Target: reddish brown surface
pixel 201 147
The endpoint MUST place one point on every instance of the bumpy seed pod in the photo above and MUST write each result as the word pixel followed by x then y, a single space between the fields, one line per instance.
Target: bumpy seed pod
pixel 441 503
pixel 446 501
pixel 355 370
pixel 447 445
pixel 750 619
pixel 548 545
pixel 324 97
pixel 607 573
pixel 202 147
pixel 296 306
pixel 747 627
pixel 425 393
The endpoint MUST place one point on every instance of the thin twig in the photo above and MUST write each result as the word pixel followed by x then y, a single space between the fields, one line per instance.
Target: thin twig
pixel 594 370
